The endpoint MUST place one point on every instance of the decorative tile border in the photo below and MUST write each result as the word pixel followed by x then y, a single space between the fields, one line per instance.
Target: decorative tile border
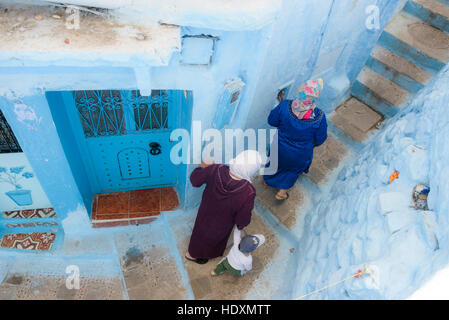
pixel 29 241
pixel 32 224
pixel 32 213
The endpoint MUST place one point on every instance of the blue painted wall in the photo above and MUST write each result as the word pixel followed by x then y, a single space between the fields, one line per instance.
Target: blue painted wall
pixel 70 148
pixel 32 123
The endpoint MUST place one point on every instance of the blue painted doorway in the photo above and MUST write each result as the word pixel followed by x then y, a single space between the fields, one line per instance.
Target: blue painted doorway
pixel 124 137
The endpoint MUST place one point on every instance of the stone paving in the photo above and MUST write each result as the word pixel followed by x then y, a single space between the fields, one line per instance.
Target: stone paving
pixel 150 272
pixel 355 119
pixel 21 287
pixel 147 262
pixel 226 286
pixel 285 211
pixel 325 159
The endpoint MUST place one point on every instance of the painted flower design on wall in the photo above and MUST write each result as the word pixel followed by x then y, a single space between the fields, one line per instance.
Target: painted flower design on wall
pixel 14 176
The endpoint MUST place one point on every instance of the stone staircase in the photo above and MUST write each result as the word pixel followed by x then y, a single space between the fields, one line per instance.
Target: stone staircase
pixel 412 49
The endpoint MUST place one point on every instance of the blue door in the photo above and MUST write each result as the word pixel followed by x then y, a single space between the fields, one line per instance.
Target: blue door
pixel 123 137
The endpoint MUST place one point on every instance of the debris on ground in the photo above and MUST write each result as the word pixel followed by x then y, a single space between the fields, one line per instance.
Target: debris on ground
pixel 420 194
pixel 393 176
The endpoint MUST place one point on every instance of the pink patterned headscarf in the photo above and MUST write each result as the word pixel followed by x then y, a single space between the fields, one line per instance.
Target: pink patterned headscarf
pixel 308 92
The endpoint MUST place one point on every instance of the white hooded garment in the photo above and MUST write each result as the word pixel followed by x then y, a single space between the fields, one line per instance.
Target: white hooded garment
pixel 246 164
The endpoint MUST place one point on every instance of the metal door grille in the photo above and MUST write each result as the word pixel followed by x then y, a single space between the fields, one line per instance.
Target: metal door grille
pixel 8 142
pixel 150 113
pixel 100 112
pixel 107 112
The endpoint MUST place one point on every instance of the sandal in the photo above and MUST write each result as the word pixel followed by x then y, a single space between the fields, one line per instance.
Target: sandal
pixel 198 260
pixel 281 198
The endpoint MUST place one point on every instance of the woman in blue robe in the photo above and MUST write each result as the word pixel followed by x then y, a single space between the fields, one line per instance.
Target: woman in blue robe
pixel 301 127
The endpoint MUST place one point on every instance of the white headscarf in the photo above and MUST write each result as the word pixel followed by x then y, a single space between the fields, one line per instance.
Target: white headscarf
pixel 246 164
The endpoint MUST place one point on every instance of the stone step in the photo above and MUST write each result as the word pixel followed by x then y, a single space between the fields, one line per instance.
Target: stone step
pixel 285 211
pixel 355 119
pixel 409 53
pixel 383 88
pixel 326 158
pixel 397 69
pixel 388 73
pixel 421 36
pixel 364 94
pixel 433 12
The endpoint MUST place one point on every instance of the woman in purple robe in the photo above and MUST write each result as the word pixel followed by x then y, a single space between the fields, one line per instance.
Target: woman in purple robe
pixel 228 200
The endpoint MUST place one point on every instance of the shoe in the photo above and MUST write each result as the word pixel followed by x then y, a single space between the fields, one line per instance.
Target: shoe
pixel 278 197
pixel 198 260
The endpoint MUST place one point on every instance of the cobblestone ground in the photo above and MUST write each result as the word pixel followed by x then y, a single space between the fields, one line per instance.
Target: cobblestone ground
pixel 22 287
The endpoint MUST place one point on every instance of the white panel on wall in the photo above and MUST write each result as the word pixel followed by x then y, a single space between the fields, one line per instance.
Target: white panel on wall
pixel 197 50
pixel 228 103
pixel 19 186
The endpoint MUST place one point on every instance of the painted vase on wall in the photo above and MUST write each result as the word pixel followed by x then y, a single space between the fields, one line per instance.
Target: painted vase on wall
pixel 20 197
pixel 12 176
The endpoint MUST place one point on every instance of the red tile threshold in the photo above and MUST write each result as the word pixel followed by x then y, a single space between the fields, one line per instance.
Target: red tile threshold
pixel 132 207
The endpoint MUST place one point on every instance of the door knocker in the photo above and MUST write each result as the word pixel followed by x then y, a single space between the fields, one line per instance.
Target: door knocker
pixel 155 148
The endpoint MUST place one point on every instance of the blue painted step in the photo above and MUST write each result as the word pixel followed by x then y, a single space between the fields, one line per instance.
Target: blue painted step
pixel 432 18
pixel 409 53
pixel 370 98
pixel 393 75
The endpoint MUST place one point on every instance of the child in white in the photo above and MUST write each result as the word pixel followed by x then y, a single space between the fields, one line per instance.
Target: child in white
pixel 239 259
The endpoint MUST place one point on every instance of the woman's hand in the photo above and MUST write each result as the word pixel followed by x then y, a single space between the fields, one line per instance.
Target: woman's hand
pixel 206 163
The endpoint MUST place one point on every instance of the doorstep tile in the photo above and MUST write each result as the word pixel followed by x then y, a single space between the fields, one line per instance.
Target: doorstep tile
pixel 112 203
pixel 148 200
pixel 169 199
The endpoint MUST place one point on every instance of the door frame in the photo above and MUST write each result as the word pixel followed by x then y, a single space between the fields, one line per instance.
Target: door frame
pixel 81 142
